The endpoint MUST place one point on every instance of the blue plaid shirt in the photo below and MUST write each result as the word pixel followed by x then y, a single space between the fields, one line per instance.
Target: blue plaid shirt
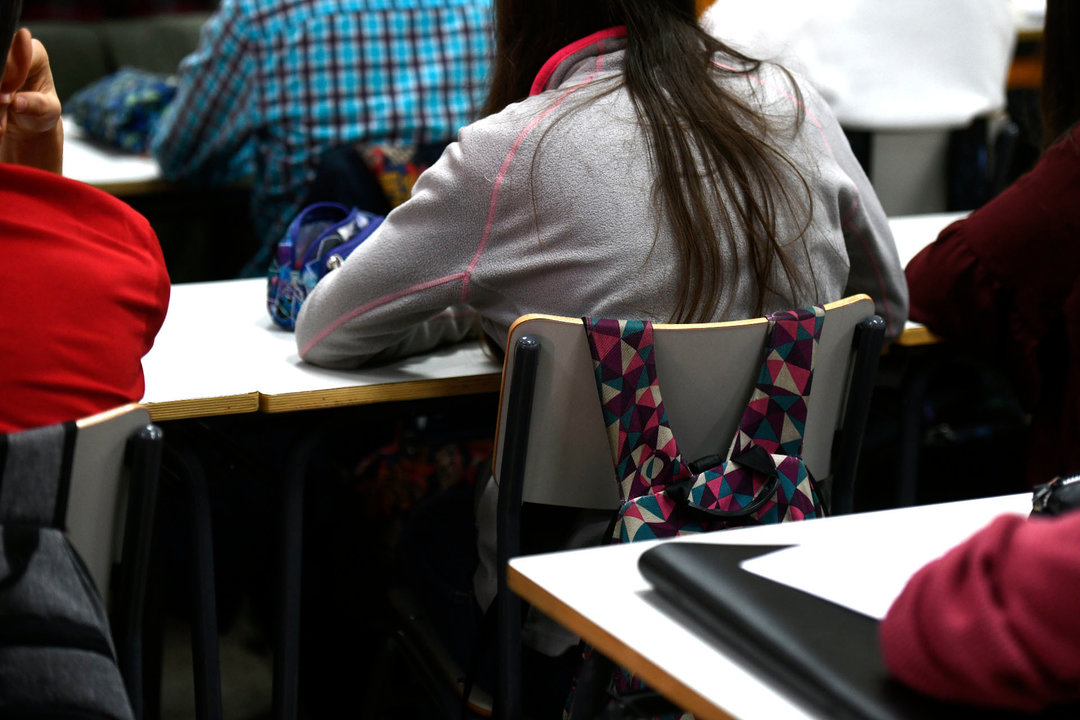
pixel 274 83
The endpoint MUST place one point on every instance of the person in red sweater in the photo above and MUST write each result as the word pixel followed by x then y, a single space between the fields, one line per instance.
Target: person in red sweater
pixel 994 622
pixel 85 287
pixel 1005 281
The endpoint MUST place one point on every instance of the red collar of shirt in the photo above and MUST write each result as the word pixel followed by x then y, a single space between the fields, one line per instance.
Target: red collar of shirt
pixel 582 47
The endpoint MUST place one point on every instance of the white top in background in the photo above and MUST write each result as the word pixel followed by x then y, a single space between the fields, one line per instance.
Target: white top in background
pixel 883 64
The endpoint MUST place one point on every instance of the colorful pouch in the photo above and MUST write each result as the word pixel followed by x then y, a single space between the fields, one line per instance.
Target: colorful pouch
pixel 318 240
pixel 123 108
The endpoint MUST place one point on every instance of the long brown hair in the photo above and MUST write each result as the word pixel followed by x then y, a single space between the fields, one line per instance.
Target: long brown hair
pixel 708 145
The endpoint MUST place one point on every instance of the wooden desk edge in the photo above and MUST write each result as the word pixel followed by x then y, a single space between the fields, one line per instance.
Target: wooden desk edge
pixel 915 336
pixel 133 188
pixel 682 695
pixel 203 407
pixel 378 393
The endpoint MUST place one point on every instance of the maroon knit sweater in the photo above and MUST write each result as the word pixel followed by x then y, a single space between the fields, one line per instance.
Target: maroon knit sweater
pixel 995 622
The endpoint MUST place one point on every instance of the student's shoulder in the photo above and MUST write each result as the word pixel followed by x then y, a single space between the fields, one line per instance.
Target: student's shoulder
pixel 494 134
pixel 511 128
pixel 784 83
pixel 268 17
pixel 29 187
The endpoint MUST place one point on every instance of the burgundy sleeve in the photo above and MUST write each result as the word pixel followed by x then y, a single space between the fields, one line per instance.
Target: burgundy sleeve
pixel 952 293
pixel 994 621
pixel 998 279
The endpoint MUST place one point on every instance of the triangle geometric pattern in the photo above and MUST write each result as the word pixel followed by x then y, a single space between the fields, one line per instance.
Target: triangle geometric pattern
pixel 642 446
pixel 661 496
pixel 645 452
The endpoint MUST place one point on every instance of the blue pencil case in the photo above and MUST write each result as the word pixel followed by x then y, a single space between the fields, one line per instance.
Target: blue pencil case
pixel 318 240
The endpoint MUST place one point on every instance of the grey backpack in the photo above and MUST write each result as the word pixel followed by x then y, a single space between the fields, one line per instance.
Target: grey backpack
pixel 57 658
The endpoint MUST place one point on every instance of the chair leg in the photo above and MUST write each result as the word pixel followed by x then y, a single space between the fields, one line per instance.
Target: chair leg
pixel 204 630
pixel 153 647
pixel 144 465
pixel 287 650
pixel 914 395
pixel 868 338
pixel 508 694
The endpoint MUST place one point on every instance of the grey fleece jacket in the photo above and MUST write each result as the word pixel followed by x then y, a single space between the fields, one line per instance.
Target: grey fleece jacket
pixel 548 207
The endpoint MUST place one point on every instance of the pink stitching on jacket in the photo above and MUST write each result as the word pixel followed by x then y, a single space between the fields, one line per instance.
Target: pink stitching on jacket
pixel 789 96
pixel 374 304
pixel 505 167
pixel 466 275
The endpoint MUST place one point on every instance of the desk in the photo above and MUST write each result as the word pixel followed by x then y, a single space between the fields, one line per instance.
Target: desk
pixel 115 171
pixel 912 233
pixel 219 353
pixel 1029 16
pixel 599 594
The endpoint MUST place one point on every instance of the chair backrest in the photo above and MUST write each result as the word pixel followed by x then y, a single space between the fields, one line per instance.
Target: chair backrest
pixel 98 494
pixel 82 52
pixel 84 466
pixel 706 372
pixel 88 462
pixel 551 445
pixel 99 477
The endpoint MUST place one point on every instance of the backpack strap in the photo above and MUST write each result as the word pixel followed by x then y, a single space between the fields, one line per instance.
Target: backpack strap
pixel 775 416
pixel 766 453
pixel 35 475
pixel 643 448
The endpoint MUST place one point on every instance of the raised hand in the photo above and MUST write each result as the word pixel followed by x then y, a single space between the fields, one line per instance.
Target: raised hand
pixel 31 131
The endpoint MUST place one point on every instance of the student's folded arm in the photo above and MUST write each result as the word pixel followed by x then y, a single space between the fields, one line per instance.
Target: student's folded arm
pixel 955 295
pixel 405 290
pixel 993 622
pixel 205 133
pixel 452 325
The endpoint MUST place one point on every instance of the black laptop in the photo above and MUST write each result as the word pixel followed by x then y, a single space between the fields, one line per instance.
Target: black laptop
pixel 824 656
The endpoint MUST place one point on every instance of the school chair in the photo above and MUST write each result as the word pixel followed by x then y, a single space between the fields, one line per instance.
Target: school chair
pixel 105 468
pixel 551 447
pixel 552 453
pixel 182 464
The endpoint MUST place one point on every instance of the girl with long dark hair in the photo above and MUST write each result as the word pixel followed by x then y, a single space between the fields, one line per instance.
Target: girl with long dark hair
pixel 630 165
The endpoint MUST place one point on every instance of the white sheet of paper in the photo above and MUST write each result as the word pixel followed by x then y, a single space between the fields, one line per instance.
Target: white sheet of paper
pixel 864 576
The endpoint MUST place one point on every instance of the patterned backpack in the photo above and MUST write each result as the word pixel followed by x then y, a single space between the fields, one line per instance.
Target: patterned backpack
pixel 761 480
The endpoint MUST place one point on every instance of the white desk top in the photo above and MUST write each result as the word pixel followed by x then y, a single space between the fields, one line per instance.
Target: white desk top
pixel 219 353
pixel 914 232
pixel 599 594
pixel 115 171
